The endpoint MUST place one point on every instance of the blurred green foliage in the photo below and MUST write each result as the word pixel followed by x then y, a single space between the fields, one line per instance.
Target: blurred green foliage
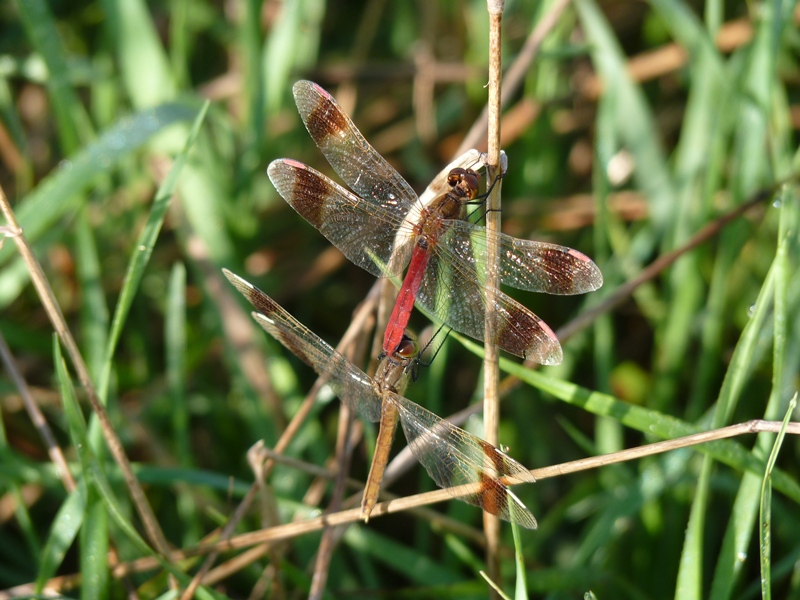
pixel 632 131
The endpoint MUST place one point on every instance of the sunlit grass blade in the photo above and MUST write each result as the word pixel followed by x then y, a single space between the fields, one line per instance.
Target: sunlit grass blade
pixel 732 556
pixel 292 46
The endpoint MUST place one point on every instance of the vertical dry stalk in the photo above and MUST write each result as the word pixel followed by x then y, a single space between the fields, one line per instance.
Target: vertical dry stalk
pixel 491 411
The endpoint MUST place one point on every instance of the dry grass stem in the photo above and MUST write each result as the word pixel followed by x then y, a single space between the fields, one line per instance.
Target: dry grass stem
pixel 39 280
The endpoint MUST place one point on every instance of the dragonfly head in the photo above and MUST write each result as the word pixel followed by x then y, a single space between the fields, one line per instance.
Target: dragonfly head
pixel 464 182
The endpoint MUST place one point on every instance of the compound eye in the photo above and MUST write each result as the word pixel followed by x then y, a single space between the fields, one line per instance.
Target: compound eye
pixel 408 347
pixel 455 175
pixel 471 179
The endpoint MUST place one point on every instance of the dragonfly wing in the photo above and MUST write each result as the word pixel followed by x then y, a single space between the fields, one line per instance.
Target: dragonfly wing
pixel 525 264
pixel 454 291
pixel 364 234
pixel 348 152
pixel 454 457
pixel 348 382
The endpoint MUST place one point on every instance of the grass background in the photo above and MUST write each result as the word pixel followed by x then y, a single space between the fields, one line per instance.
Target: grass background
pixel 696 114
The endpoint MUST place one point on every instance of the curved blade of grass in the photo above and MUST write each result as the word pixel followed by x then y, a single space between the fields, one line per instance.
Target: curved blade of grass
pixel 143 250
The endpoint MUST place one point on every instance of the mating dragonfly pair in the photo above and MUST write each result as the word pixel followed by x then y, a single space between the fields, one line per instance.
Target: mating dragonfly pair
pixel 383 227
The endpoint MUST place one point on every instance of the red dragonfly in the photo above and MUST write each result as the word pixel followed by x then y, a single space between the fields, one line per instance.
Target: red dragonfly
pixel 451 456
pixel 384 226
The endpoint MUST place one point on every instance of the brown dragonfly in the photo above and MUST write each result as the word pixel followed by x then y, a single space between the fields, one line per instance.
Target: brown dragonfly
pixel 384 226
pixel 451 456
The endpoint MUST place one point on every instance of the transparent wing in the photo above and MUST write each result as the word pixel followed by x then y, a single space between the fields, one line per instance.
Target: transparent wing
pixel 525 264
pixel 360 166
pixel 348 382
pixel 454 291
pixel 364 233
pixel 453 457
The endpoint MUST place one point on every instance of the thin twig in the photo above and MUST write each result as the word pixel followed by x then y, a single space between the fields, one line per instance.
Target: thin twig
pixel 344 451
pixel 53 449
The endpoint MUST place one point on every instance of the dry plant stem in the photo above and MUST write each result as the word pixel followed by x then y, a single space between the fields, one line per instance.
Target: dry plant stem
pixel 291 530
pixel 513 79
pixel 491 359
pixel 53 449
pixel 329 539
pixel 154 533
pixel 362 320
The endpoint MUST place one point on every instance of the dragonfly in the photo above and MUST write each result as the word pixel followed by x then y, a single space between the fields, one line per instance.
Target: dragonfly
pixel 450 455
pixel 382 226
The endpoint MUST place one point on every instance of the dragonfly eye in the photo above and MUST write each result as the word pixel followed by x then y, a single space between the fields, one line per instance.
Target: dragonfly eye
pixel 456 175
pixel 408 347
pixel 471 181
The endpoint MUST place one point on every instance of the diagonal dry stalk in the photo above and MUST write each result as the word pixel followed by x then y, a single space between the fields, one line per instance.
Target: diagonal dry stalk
pixel 270 536
pixel 47 297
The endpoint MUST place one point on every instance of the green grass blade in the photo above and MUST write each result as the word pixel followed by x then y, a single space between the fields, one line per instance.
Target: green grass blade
pixel 144 64
pixel 94 544
pixel 765 510
pixel 64 529
pixel 175 338
pixel 72 512
pixel 94 533
pixel 144 248
pixel 94 311
pixel 521 586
